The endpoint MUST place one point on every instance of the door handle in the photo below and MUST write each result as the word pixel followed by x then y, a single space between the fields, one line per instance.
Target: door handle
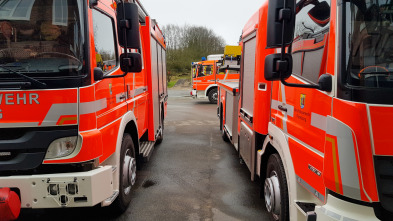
pixel 282 108
pixel 122 97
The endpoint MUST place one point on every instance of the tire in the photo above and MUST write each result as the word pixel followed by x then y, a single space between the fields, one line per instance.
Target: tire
pixel 224 135
pixel 127 175
pixel 213 96
pixel 160 137
pixel 276 190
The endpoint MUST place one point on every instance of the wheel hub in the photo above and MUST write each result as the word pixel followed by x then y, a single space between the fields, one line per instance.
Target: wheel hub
pixel 215 96
pixel 129 172
pixel 272 195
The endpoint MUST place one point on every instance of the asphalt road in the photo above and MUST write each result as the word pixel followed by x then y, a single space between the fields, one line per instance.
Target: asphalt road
pixel 192 175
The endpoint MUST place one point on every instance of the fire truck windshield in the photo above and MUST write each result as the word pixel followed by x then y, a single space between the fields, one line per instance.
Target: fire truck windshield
pixel 369 43
pixel 42 39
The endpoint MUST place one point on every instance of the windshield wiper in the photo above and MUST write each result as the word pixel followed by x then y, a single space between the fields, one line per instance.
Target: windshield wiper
pixel 32 80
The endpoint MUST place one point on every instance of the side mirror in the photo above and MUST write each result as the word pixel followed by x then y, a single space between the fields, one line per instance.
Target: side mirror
pixel 98 74
pixel 131 62
pixel 320 13
pixel 277 69
pixel 280 23
pixel 128 25
pixel 325 82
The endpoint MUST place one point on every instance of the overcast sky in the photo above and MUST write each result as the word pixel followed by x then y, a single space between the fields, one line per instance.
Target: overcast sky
pixel 226 17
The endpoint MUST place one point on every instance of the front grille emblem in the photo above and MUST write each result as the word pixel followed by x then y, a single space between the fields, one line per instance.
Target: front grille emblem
pixel 5 154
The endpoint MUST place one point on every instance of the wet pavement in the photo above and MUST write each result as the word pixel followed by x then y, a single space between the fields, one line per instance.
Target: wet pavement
pixel 192 175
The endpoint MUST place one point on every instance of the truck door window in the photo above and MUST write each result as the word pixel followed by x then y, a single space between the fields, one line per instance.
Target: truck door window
pixel 309 40
pixel 104 41
pixel 368 50
pixel 205 70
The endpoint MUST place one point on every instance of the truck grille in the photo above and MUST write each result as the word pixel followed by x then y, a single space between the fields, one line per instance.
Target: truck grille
pixel 12 133
pixel 384 175
pixel 7 155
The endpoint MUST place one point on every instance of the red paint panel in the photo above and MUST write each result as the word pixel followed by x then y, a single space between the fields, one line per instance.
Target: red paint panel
pixel 262 102
pixel 299 125
pixel 33 106
pixel 302 158
pixel 109 139
pixel 382 127
pixel 87 121
pixel 355 116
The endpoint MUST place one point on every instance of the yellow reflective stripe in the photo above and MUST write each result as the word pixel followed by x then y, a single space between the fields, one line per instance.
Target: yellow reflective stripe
pixel 335 167
pixel 67 119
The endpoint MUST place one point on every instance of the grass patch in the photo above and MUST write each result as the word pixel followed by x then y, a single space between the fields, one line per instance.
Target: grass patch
pixel 175 78
pixel 171 84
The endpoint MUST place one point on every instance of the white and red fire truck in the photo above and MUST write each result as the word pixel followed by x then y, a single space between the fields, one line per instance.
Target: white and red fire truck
pixel 206 74
pixel 82 101
pixel 313 111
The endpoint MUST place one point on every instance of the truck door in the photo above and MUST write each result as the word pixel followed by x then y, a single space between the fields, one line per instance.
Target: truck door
pixel 301 113
pixel 206 76
pixel 109 93
pixel 246 142
pixel 158 82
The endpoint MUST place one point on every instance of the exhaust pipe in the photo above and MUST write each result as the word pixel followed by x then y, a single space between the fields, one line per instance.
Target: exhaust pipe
pixel 9 205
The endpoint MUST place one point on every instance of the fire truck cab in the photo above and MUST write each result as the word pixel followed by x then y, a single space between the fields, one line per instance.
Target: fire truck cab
pixel 82 101
pixel 315 108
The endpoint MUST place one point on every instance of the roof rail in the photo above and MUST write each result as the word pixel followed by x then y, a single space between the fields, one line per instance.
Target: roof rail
pixel 142 12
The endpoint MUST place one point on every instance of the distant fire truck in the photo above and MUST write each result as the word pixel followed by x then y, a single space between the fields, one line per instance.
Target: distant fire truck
pixel 312 114
pixel 83 99
pixel 206 74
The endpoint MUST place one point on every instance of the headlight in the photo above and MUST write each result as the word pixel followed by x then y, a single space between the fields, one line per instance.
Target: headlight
pixel 61 147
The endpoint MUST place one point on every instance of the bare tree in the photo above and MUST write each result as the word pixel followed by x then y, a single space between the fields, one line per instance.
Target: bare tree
pixel 186 44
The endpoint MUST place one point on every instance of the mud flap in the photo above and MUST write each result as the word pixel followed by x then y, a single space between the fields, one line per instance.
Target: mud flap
pixel 9 205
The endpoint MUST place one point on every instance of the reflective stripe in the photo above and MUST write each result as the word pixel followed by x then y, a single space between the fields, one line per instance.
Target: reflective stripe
pixel 92 107
pixel 335 166
pixel 138 91
pixel 196 81
pixel 24 124
pixel 347 157
pixel 58 110
pixel 318 121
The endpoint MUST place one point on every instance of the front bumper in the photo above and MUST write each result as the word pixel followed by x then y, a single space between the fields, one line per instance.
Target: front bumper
pixel 193 93
pixel 337 209
pixel 83 189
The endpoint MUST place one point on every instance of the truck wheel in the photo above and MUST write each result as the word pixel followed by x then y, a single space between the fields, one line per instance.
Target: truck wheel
pixel 160 137
pixel 127 173
pixel 224 135
pixel 276 189
pixel 213 96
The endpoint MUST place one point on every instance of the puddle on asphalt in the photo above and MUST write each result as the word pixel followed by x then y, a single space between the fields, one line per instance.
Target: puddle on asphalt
pixel 148 183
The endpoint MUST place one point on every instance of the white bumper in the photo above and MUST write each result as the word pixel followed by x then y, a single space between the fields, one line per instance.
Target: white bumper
pixel 84 189
pixel 337 209
pixel 193 93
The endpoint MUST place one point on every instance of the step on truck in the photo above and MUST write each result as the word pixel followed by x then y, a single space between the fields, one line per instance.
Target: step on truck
pixel 83 100
pixel 206 74
pixel 314 108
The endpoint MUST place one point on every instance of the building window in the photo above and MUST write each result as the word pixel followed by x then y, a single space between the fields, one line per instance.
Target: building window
pixel 60 12
pixel 16 9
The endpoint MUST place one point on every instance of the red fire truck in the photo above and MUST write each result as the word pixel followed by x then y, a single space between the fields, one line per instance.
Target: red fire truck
pixel 314 108
pixel 83 99
pixel 206 74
